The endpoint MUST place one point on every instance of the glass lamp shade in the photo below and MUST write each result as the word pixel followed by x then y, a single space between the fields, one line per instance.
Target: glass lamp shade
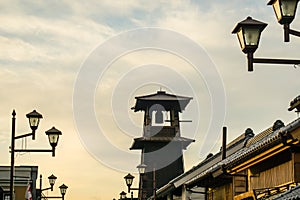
pixel 285 10
pixel 142 168
pixel 34 119
pixel 129 179
pixel 248 32
pixel 63 189
pixel 52 179
pixel 123 195
pixel 53 136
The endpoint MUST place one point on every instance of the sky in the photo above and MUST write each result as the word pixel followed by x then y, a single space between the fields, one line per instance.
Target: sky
pixel 80 64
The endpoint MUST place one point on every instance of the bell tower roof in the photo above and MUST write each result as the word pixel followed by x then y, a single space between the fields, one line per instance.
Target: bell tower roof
pixel 168 101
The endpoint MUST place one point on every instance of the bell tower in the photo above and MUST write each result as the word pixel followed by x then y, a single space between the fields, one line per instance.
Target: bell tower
pixel 161 143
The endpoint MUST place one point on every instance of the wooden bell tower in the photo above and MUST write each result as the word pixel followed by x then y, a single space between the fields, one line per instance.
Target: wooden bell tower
pixel 161 144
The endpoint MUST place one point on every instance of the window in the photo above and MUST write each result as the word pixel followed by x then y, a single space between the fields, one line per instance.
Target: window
pixel 6 197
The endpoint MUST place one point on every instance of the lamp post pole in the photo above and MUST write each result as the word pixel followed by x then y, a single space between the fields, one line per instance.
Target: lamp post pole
pixel 12 156
pixel 154 184
pixel 39 194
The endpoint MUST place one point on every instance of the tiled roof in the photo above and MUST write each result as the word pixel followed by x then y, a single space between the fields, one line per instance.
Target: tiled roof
pixel 254 145
pixel 268 140
pixel 259 137
pixel 291 194
pixel 162 95
pixel 244 153
pixel 231 148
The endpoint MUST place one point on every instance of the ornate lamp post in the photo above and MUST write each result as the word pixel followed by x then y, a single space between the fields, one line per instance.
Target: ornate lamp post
pixel 63 190
pixel 34 119
pixel 249 32
pixel 285 11
pixel 52 180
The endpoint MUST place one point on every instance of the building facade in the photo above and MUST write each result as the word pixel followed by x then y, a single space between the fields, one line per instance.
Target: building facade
pixel 262 166
pixel 24 176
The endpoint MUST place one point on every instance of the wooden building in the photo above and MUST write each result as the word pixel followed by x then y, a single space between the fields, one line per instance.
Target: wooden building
pixel 264 166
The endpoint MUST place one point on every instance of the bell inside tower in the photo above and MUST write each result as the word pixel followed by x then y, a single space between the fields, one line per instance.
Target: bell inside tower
pixel 159 117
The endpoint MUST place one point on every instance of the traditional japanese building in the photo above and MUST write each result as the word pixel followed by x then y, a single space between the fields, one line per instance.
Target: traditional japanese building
pixel 161 143
pixel 264 166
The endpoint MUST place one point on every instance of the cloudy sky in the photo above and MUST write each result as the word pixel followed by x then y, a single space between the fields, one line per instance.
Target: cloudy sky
pixel 81 64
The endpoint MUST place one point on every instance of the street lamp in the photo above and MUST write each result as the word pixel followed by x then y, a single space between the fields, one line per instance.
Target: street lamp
pixel 34 118
pixel 53 136
pixel 249 32
pixel 123 195
pixel 285 11
pixel 141 168
pixel 52 180
pixel 129 179
pixel 63 189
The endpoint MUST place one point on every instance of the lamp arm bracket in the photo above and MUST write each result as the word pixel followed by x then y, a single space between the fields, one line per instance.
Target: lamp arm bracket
pixel 33 150
pixel 49 188
pixel 24 135
pixel 276 61
pixel 294 32
pixel 134 189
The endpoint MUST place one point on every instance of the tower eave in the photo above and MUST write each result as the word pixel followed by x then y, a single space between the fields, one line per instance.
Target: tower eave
pixel 161 97
pixel 140 143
